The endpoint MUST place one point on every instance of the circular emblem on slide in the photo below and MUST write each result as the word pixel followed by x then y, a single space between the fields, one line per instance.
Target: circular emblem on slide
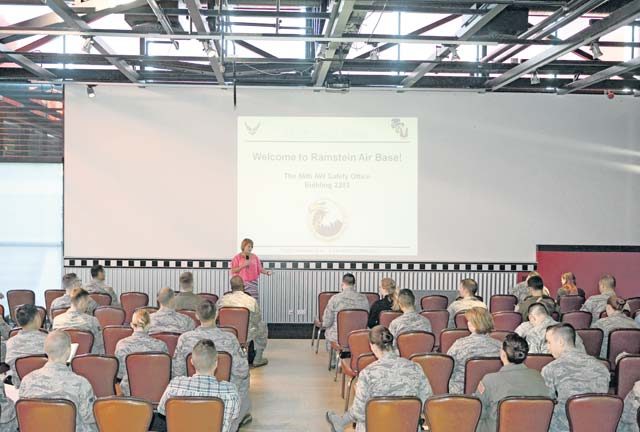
pixel 326 218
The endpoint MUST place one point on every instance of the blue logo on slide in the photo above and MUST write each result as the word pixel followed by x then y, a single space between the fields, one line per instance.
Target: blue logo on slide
pixel 326 219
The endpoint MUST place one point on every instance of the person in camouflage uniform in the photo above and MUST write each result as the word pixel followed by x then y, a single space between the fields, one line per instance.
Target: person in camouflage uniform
pixel 596 304
pixel 410 320
pixel 534 330
pixel 536 295
pixel 5 329
pixel 98 285
pixel 224 341
pixel 138 342
pixel 28 341
pixel 478 344
pixel 629 419
pixel 55 380
pixel 187 299
pixel 8 420
pixel 390 375
pixel 167 319
pixel 69 282
pixel 615 320
pixel 349 298
pixel 76 318
pixel 571 373
pixel 258 332
pixel 468 289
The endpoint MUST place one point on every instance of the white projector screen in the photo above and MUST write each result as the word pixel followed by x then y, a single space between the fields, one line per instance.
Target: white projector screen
pixel 166 172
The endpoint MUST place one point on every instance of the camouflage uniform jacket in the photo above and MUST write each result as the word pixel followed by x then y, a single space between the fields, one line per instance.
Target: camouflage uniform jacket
pixel 629 422
pixel 99 287
pixel 80 321
pixel 8 420
pixel 408 322
pixel 596 304
pixel 258 331
pixel 187 300
pixel 521 291
pixel 536 336
pixel 474 345
pixel 138 342
pixel 168 320
pixel 461 305
pixel 347 299
pixel 64 302
pixel 25 343
pixel 614 322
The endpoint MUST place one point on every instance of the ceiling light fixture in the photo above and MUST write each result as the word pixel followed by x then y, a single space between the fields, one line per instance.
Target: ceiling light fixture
pixel 454 52
pixel 535 79
pixel 91 92
pixel 595 50
pixel 87 44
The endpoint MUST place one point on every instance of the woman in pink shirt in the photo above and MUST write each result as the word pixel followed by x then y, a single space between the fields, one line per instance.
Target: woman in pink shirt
pixel 248 267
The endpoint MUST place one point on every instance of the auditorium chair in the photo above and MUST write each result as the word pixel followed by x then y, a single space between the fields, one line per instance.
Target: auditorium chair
pixel 570 303
pixel 386 317
pixel 169 338
pixel 213 298
pixel 434 302
pixel 149 374
pixel 359 347
pixel 438 412
pixel 323 300
pixel 500 335
pixel 191 314
pixel 506 321
pixel 223 369
pixel 393 413
pixel 417 342
pixel 516 411
pixel 437 368
pixel 592 339
pixel 622 340
pixel 347 321
pixel 150 310
pixel 112 334
pixel 461 321
pixel 83 338
pixel 238 318
pixel 109 316
pixel 502 303
pixel 57 311
pixel 14 331
pixel 2 311
pixel 19 297
pixel 231 330
pixel 101 299
pixel 372 297
pixel 100 370
pixel 634 305
pixel 197 414
pixel 449 336
pixel 537 361
pixel 578 319
pixel 130 301
pixel 476 368
pixel 594 412
pixel 627 373
pixel 26 365
pixel 37 415
pixel 50 295
pixel 117 414
pixel 439 320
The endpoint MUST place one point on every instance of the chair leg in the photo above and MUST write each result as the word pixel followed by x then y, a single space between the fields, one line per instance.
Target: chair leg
pixel 318 340
pixel 348 396
pixel 342 386
pixel 330 358
pixel 313 335
pixel 337 366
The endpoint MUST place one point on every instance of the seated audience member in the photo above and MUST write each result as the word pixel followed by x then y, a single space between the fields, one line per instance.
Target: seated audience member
pixel 571 373
pixel 204 358
pixel 534 330
pixel 186 299
pixel 596 304
pixel 98 285
pixel 478 344
pixel 386 303
pixel 513 379
pixel 138 342
pixel 166 319
pixel 55 380
pixel 615 320
pixel 629 419
pixel 224 341
pixel 77 318
pixel 69 282
pixel 410 320
pixel 28 341
pixel 521 289
pixel 8 420
pixel 390 375
pixel 258 332
pixel 468 299
pixel 349 298
pixel 536 295
pixel 568 286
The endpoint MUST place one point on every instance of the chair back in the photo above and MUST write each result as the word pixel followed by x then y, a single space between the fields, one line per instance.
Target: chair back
pixel 169 338
pixel 109 316
pixel 191 314
pixel 502 303
pixel 358 345
pixel 386 317
pixel 570 303
pixel 592 339
pixel 398 414
pixel 627 372
pixel 476 368
pixel 19 297
pixel 537 361
pixel 112 334
pixel 197 414
pixel 26 365
pixel 417 342
pixel 506 321
pixel 437 368
pixel 372 297
pixel 101 299
pixel 449 336
pixel 57 311
pixel 349 320
pixel 37 415
pixel 467 411
pixel 461 321
pixel 634 305
pixel 83 338
pixel 439 320
pixel 99 370
pixel 578 319
pixel 213 298
pixel 149 374
pixel 130 301
pixel 231 330
pixel 117 414
pixel 51 295
pixel 238 318
pixel 500 335
pixel 534 412
pixel 323 300
pixel 434 302
pixel 223 369
pixel 623 340
pixel 594 412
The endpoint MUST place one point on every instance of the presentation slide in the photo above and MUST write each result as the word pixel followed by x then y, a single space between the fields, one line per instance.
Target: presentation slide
pixel 329 185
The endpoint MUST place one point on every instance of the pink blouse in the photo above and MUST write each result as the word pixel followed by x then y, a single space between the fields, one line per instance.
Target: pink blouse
pixel 248 274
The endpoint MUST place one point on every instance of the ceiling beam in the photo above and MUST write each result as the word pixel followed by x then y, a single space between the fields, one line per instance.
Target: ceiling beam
pixel 162 18
pixel 202 28
pixel 338 27
pixel 602 75
pixel 29 65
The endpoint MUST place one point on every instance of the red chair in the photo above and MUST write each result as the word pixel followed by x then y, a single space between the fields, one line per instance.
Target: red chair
pixel 434 302
pixel 534 412
pixel 149 374
pixel 438 411
pixel 37 415
pixel 622 340
pixel 461 321
pixel 116 414
pixel 500 335
pixel 372 297
pixel 537 361
pixel 223 369
pixel 417 342
pixel 449 336
pixel 323 300
pixel 386 317
pixel 196 414
pixel 169 338
pixel 99 370
pixel 570 303
pixel 396 413
pixel 439 320
pixel 101 299
pixel 111 335
pixel 2 311
pixel 506 321
pixel 150 310
pixel 191 314
pixel 130 301
pixel 476 368
pixel 57 311
pixel 634 305
pixel 238 318
pixel 594 412
pixel 359 347
pixel 503 303
pixel 51 295
pixel 83 338
pixel 592 339
pixel 627 373
pixel 578 319
pixel 437 368
pixel 19 297
pixel 213 298
pixel 26 365
pixel 109 316
pixel 347 321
